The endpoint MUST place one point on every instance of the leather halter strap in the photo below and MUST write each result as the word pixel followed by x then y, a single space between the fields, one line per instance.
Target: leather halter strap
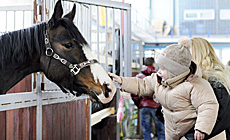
pixel 74 68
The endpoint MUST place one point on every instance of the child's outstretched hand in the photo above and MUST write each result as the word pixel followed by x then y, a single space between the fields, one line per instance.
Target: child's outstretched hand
pixel 199 135
pixel 115 77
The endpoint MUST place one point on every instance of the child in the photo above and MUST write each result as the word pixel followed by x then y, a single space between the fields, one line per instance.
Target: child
pixel 189 104
pixel 218 76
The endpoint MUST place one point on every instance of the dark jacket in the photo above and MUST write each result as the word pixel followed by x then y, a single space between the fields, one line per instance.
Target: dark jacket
pixel 145 101
pixel 223 118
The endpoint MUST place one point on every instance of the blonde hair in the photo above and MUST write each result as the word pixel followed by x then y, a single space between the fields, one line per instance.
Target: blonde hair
pixel 204 55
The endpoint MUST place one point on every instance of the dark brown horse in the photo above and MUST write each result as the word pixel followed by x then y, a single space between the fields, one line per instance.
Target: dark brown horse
pixel 57 49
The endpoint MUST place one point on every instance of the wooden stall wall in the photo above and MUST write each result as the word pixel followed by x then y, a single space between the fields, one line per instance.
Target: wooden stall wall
pixel 62 121
pixel 19 124
pixel 66 121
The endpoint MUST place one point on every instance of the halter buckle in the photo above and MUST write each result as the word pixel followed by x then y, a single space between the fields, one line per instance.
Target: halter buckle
pixel 49 51
pixel 75 70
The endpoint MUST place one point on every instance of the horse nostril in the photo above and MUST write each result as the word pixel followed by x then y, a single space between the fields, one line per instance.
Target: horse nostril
pixel 107 90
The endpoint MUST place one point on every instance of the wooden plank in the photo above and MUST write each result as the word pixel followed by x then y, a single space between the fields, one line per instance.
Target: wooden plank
pixel 74 118
pixel 24 123
pixel 16 124
pixel 10 125
pixel 61 113
pixel 47 124
pixel 3 125
pixel 79 111
pixel 45 131
pixel 68 120
pixel 87 125
pixel 56 122
pixel 77 120
pixel 32 126
pixel 83 119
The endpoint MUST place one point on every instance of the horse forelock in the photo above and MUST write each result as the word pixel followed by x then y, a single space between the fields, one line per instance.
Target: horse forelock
pixel 73 31
pixel 17 46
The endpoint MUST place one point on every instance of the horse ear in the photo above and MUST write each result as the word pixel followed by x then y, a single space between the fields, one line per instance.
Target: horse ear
pixel 71 14
pixel 58 11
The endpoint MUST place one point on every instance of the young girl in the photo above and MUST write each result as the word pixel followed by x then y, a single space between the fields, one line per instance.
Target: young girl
pixel 189 104
pixel 217 75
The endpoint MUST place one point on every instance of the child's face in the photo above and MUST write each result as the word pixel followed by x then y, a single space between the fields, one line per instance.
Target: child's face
pixel 163 73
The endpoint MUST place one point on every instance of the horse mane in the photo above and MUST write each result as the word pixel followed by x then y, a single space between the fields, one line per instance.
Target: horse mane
pixel 18 46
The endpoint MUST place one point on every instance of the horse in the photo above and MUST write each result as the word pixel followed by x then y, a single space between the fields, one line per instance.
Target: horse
pixel 58 49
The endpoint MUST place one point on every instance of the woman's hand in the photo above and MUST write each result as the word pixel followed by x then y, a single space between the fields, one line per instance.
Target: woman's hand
pixel 115 77
pixel 199 135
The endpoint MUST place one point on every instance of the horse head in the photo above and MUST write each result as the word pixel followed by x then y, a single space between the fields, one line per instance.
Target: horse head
pixel 68 61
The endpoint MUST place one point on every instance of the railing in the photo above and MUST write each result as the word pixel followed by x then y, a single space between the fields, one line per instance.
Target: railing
pixel 15 17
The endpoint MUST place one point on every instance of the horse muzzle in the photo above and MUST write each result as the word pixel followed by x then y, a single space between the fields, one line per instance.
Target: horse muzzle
pixel 105 97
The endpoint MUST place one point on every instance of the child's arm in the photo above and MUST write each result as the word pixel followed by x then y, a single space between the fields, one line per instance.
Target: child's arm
pixel 137 86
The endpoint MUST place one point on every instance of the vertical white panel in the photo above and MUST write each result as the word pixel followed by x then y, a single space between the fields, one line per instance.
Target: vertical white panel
pixel 121 44
pixel 113 36
pixel 106 39
pixel 98 51
pixel 39 108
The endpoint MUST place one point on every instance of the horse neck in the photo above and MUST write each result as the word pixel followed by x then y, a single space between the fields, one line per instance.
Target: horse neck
pixel 12 73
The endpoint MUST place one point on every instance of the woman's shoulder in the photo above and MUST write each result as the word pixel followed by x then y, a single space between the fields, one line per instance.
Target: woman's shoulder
pixel 219 88
pixel 215 83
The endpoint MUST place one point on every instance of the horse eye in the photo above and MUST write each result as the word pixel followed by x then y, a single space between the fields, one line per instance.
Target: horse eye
pixel 68 45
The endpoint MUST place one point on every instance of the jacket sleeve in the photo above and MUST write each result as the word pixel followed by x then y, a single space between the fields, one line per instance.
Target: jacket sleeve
pixel 139 86
pixel 205 102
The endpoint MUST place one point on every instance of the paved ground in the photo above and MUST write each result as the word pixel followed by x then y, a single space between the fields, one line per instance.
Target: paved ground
pixel 155 138
pixel 136 137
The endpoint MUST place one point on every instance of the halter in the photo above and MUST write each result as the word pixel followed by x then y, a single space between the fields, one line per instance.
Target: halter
pixel 74 68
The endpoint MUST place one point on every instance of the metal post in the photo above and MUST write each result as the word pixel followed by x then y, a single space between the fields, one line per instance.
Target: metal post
pixel 106 39
pixel 141 55
pixel 90 112
pixel 118 124
pixel 90 26
pixel 98 51
pixel 127 44
pixel 113 42
pixel 121 47
pixel 39 108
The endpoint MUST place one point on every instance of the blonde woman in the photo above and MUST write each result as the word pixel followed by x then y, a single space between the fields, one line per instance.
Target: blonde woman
pixel 217 74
